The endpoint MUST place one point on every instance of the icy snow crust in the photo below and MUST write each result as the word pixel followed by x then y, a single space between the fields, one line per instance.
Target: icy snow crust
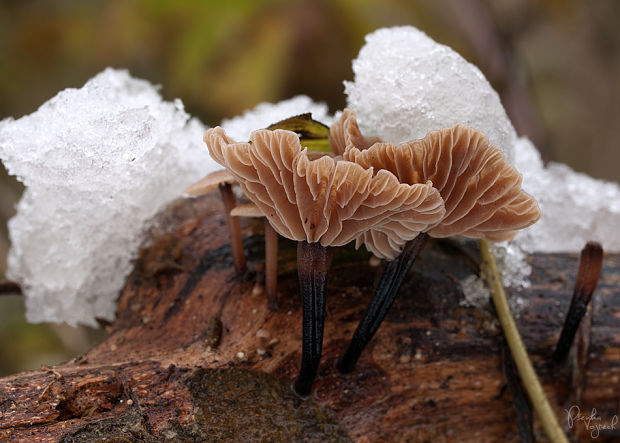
pixel 97 162
pixel 407 85
pixel 576 207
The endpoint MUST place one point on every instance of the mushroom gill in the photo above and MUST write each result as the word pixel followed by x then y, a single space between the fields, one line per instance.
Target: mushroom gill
pixel 326 200
pixel 321 203
pixel 481 190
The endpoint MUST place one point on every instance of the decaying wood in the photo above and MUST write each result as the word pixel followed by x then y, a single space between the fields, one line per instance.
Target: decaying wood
pixel 196 355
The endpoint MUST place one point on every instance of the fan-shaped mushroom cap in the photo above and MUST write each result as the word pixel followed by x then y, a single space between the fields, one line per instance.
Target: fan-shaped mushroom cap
pixel 209 182
pixel 326 200
pixel 481 190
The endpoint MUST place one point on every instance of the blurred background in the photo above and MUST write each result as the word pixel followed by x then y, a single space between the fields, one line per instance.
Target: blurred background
pixel 555 64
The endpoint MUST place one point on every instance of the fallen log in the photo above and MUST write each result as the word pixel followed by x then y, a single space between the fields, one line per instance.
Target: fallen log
pixel 195 354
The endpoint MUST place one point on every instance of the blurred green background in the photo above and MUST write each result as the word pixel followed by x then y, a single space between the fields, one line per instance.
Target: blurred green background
pixel 555 63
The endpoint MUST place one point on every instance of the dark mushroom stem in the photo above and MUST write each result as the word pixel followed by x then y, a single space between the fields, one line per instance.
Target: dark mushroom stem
pixel 390 282
pixel 236 240
pixel 271 266
pixel 590 264
pixel 313 261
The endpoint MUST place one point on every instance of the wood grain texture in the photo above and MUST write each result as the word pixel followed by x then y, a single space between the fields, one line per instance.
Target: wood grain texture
pixel 196 355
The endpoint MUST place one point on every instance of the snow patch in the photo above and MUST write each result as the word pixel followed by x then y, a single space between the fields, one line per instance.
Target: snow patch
pixel 97 162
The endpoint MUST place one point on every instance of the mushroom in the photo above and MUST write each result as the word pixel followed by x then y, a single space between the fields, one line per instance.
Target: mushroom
pixel 481 192
pixel 224 180
pixel 320 203
pixel 271 252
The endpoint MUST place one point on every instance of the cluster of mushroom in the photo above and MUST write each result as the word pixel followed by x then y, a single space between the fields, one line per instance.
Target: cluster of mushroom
pixel 389 198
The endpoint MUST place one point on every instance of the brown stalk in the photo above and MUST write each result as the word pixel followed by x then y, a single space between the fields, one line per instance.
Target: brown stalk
pixel 236 240
pixel 223 180
pixel 271 266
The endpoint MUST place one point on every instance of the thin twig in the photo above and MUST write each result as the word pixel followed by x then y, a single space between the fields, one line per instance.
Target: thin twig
pixel 530 380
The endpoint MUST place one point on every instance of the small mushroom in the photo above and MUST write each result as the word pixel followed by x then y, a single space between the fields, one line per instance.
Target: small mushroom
pixel 224 181
pixel 320 203
pixel 271 252
pixel 481 192
pixel 223 177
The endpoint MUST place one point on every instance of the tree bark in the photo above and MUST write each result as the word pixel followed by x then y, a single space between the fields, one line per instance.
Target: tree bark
pixel 195 354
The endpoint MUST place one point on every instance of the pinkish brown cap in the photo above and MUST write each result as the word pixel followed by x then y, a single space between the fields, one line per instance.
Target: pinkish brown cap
pixel 481 190
pixel 210 182
pixel 247 210
pixel 326 200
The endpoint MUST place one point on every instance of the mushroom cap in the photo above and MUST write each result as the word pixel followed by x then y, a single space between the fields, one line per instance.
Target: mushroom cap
pixel 247 210
pixel 481 190
pixel 209 182
pixel 327 200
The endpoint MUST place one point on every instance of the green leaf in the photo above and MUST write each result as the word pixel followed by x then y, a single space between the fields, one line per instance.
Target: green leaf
pixel 315 144
pixel 304 126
